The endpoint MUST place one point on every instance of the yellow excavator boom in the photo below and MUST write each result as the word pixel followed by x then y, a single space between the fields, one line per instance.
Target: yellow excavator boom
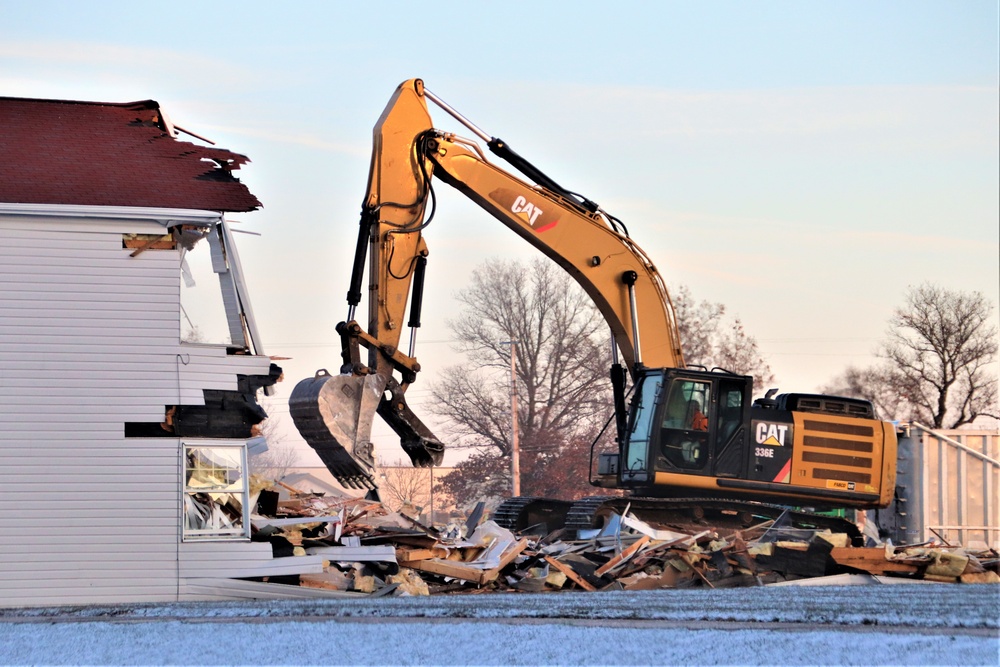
pixel 334 411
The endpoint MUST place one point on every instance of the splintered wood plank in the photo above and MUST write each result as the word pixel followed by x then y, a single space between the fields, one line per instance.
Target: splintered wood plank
pixel 446 568
pixel 144 242
pixel 415 541
pixel 470 554
pixel 463 571
pixel 416 553
pixel 569 572
pixel 623 556
pixel 869 559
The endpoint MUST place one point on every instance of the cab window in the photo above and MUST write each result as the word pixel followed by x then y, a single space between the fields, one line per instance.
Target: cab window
pixel 730 413
pixel 643 425
pixel 684 429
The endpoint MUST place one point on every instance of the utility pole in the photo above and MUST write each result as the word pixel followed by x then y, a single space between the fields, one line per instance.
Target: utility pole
pixel 515 465
pixel 431 522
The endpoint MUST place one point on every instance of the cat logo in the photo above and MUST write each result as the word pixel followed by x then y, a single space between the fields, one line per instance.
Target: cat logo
pixel 525 208
pixel 530 213
pixel 522 205
pixel 772 435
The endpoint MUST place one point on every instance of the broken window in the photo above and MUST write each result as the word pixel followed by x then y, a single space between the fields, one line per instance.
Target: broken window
pixel 216 492
pixel 205 316
pixel 214 305
pixel 215 309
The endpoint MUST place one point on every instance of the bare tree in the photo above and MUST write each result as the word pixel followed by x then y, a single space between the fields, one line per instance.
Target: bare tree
pixel 709 338
pixel 562 359
pixel 562 376
pixel 942 347
pixel 561 471
pixel 483 476
pixel 402 484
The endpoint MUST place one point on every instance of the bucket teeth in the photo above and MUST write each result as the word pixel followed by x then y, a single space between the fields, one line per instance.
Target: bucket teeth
pixel 334 413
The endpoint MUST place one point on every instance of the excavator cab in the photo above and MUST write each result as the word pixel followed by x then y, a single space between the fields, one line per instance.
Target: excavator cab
pixel 693 433
pixel 685 422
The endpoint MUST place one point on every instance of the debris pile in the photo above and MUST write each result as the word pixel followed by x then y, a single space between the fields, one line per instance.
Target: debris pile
pixel 370 550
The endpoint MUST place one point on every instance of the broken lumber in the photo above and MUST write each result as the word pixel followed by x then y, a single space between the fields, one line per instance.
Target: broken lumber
pixel 571 574
pixel 509 555
pixel 623 556
pixel 464 571
pixel 445 568
pixel 417 553
pixel 871 560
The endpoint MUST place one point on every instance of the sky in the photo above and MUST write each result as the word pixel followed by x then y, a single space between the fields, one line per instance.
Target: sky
pixel 803 163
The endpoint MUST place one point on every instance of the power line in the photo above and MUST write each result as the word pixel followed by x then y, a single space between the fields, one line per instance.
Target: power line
pixel 819 354
pixel 815 340
pixel 336 344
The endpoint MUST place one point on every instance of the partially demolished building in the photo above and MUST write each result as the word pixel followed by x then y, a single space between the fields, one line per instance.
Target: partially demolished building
pixel 128 379
pixel 130 367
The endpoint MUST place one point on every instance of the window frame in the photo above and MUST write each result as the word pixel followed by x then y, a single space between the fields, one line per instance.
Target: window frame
pixel 240 488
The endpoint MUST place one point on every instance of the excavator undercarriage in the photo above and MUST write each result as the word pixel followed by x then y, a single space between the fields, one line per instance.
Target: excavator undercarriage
pixel 543 515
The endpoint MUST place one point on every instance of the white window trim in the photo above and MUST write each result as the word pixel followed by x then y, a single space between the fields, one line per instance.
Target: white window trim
pixel 211 534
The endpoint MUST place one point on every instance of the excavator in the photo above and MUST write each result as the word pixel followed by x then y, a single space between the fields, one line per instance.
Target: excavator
pixel 691 441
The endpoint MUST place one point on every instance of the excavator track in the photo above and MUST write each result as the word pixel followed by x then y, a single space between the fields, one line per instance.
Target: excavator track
pixel 584 513
pixel 522 512
pixel 508 513
pixel 680 513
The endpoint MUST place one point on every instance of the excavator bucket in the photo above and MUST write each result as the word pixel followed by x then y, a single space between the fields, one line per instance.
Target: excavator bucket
pixel 334 414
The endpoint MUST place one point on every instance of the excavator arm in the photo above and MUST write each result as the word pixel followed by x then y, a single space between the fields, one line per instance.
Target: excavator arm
pixel 334 413
pixel 615 273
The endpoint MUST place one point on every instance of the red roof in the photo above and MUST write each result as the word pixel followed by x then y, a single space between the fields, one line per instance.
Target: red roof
pixel 98 154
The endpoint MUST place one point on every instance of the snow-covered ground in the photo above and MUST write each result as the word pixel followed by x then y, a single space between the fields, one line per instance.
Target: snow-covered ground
pixel 844 625
pixel 335 642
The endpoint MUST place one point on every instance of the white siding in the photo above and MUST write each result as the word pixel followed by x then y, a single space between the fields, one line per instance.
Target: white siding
pixel 220 559
pixel 89 340
pixel 229 589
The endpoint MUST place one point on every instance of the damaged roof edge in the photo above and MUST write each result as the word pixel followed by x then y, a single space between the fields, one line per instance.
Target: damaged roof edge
pixel 138 104
pixel 108 154
pixel 168 217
